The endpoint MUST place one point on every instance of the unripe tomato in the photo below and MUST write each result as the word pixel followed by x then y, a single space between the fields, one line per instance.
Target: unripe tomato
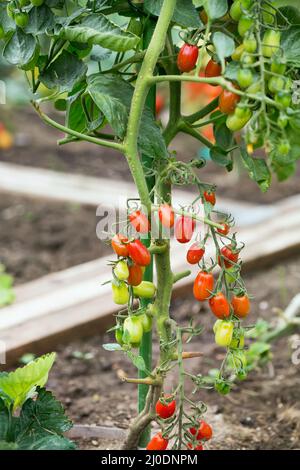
pixel 121 271
pixel 250 43
pixel 21 19
pixel 245 78
pixel 166 215
pixel 139 253
pixel 213 69
pixel 133 330
pixel 284 98
pixel 139 221
pixel 158 442
pixel 184 228
pixel 135 275
pixel 245 24
pixel 228 101
pixel 166 410
pixel 240 305
pixel 236 123
pixel 282 120
pixel 146 322
pixel 119 246
pixel 145 290
pixel 119 335
pixel 219 305
pixel 230 256
pixel 120 293
pixel 278 66
pixel 276 84
pixel 204 432
pixel 224 230
pixel 203 285
pixel 238 339
pixel 210 196
pixel 231 275
pixel 37 3
pixel 235 10
pixel 223 336
pixel 271 42
pixel 187 57
pixel 247 59
pixel 195 253
pixel 284 147
pixel 237 54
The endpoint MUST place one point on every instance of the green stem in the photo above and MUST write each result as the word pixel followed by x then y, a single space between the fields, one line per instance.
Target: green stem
pixel 186 129
pixel 202 112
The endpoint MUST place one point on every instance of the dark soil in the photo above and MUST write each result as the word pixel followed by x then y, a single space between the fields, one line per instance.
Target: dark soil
pixel 35 146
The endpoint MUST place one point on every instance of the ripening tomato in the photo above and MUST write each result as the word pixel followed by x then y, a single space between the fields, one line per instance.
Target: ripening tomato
pixel 224 230
pixel 219 305
pixel 139 221
pixel 167 409
pixel 203 285
pixel 158 442
pixel 120 293
pixel 139 253
pixel 195 253
pixel 166 215
pixel 119 246
pixel 228 101
pixel 203 432
pixel 210 196
pixel 184 228
pixel 145 290
pixel 240 305
pixel 230 256
pixel 133 330
pixel 187 57
pixel 224 333
pixel 121 270
pixel 135 275
pixel 213 69
pixel 159 103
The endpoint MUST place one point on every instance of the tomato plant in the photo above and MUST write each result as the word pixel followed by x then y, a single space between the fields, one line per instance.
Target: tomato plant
pixel 100 62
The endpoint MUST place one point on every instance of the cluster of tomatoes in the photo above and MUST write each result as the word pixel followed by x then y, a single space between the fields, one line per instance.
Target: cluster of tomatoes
pixel 17 11
pixel 194 435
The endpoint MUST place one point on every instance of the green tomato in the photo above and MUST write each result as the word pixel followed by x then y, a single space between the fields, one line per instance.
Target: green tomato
pixel 282 120
pixel 119 335
pixel 254 88
pixel 36 3
pixel 120 293
pixel 23 3
pixel 246 4
pixel 121 271
pixel 284 98
pixel 146 322
pixel 247 59
pixel 235 10
pixel 231 273
pixel 10 11
pixel 235 123
pixel 245 24
pixel 269 14
pixel 276 84
pixel 145 290
pixel 245 78
pixel 271 42
pixel 238 339
pixel 278 66
pixel 222 387
pixel 21 19
pixel 224 332
pixel 250 43
pixel 133 330
pixel 284 147
pixel 237 54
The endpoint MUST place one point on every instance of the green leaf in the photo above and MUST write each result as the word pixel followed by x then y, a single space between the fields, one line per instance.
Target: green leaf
pixel 223 136
pixel 97 29
pixel 49 442
pixel 20 48
pixel 40 19
pixel 7 23
pixel 8 445
pixel 22 382
pixel 283 170
pixel 215 8
pixel 137 361
pixel 219 156
pixel 185 13
pixel 64 72
pixel 257 169
pixel 112 96
pixel 290 13
pixel 224 46
pixel 4 420
pixel 231 70
pixel 290 44
pixel 112 347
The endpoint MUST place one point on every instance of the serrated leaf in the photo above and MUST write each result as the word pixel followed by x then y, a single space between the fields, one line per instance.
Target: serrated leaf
pixel 112 95
pixel 20 48
pixel 224 45
pixel 257 169
pixel 40 19
pixel 46 443
pixel 290 44
pixel 97 29
pixel 4 420
pixel 7 23
pixel 22 382
pixel 185 13
pixel 223 136
pixel 64 72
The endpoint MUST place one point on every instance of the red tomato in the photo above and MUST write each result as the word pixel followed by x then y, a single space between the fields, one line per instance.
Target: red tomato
pixel 158 442
pixel 166 215
pixel 203 285
pixel 165 411
pixel 230 256
pixel 219 305
pixel 213 69
pixel 240 305
pixel 159 103
pixel 135 275
pixel 139 253
pixel 119 246
pixel 228 101
pixel 187 58
pixel 203 432
pixel 184 229
pixel 197 447
pixel 195 253
pixel 210 196
pixel 139 221
pixel 225 230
